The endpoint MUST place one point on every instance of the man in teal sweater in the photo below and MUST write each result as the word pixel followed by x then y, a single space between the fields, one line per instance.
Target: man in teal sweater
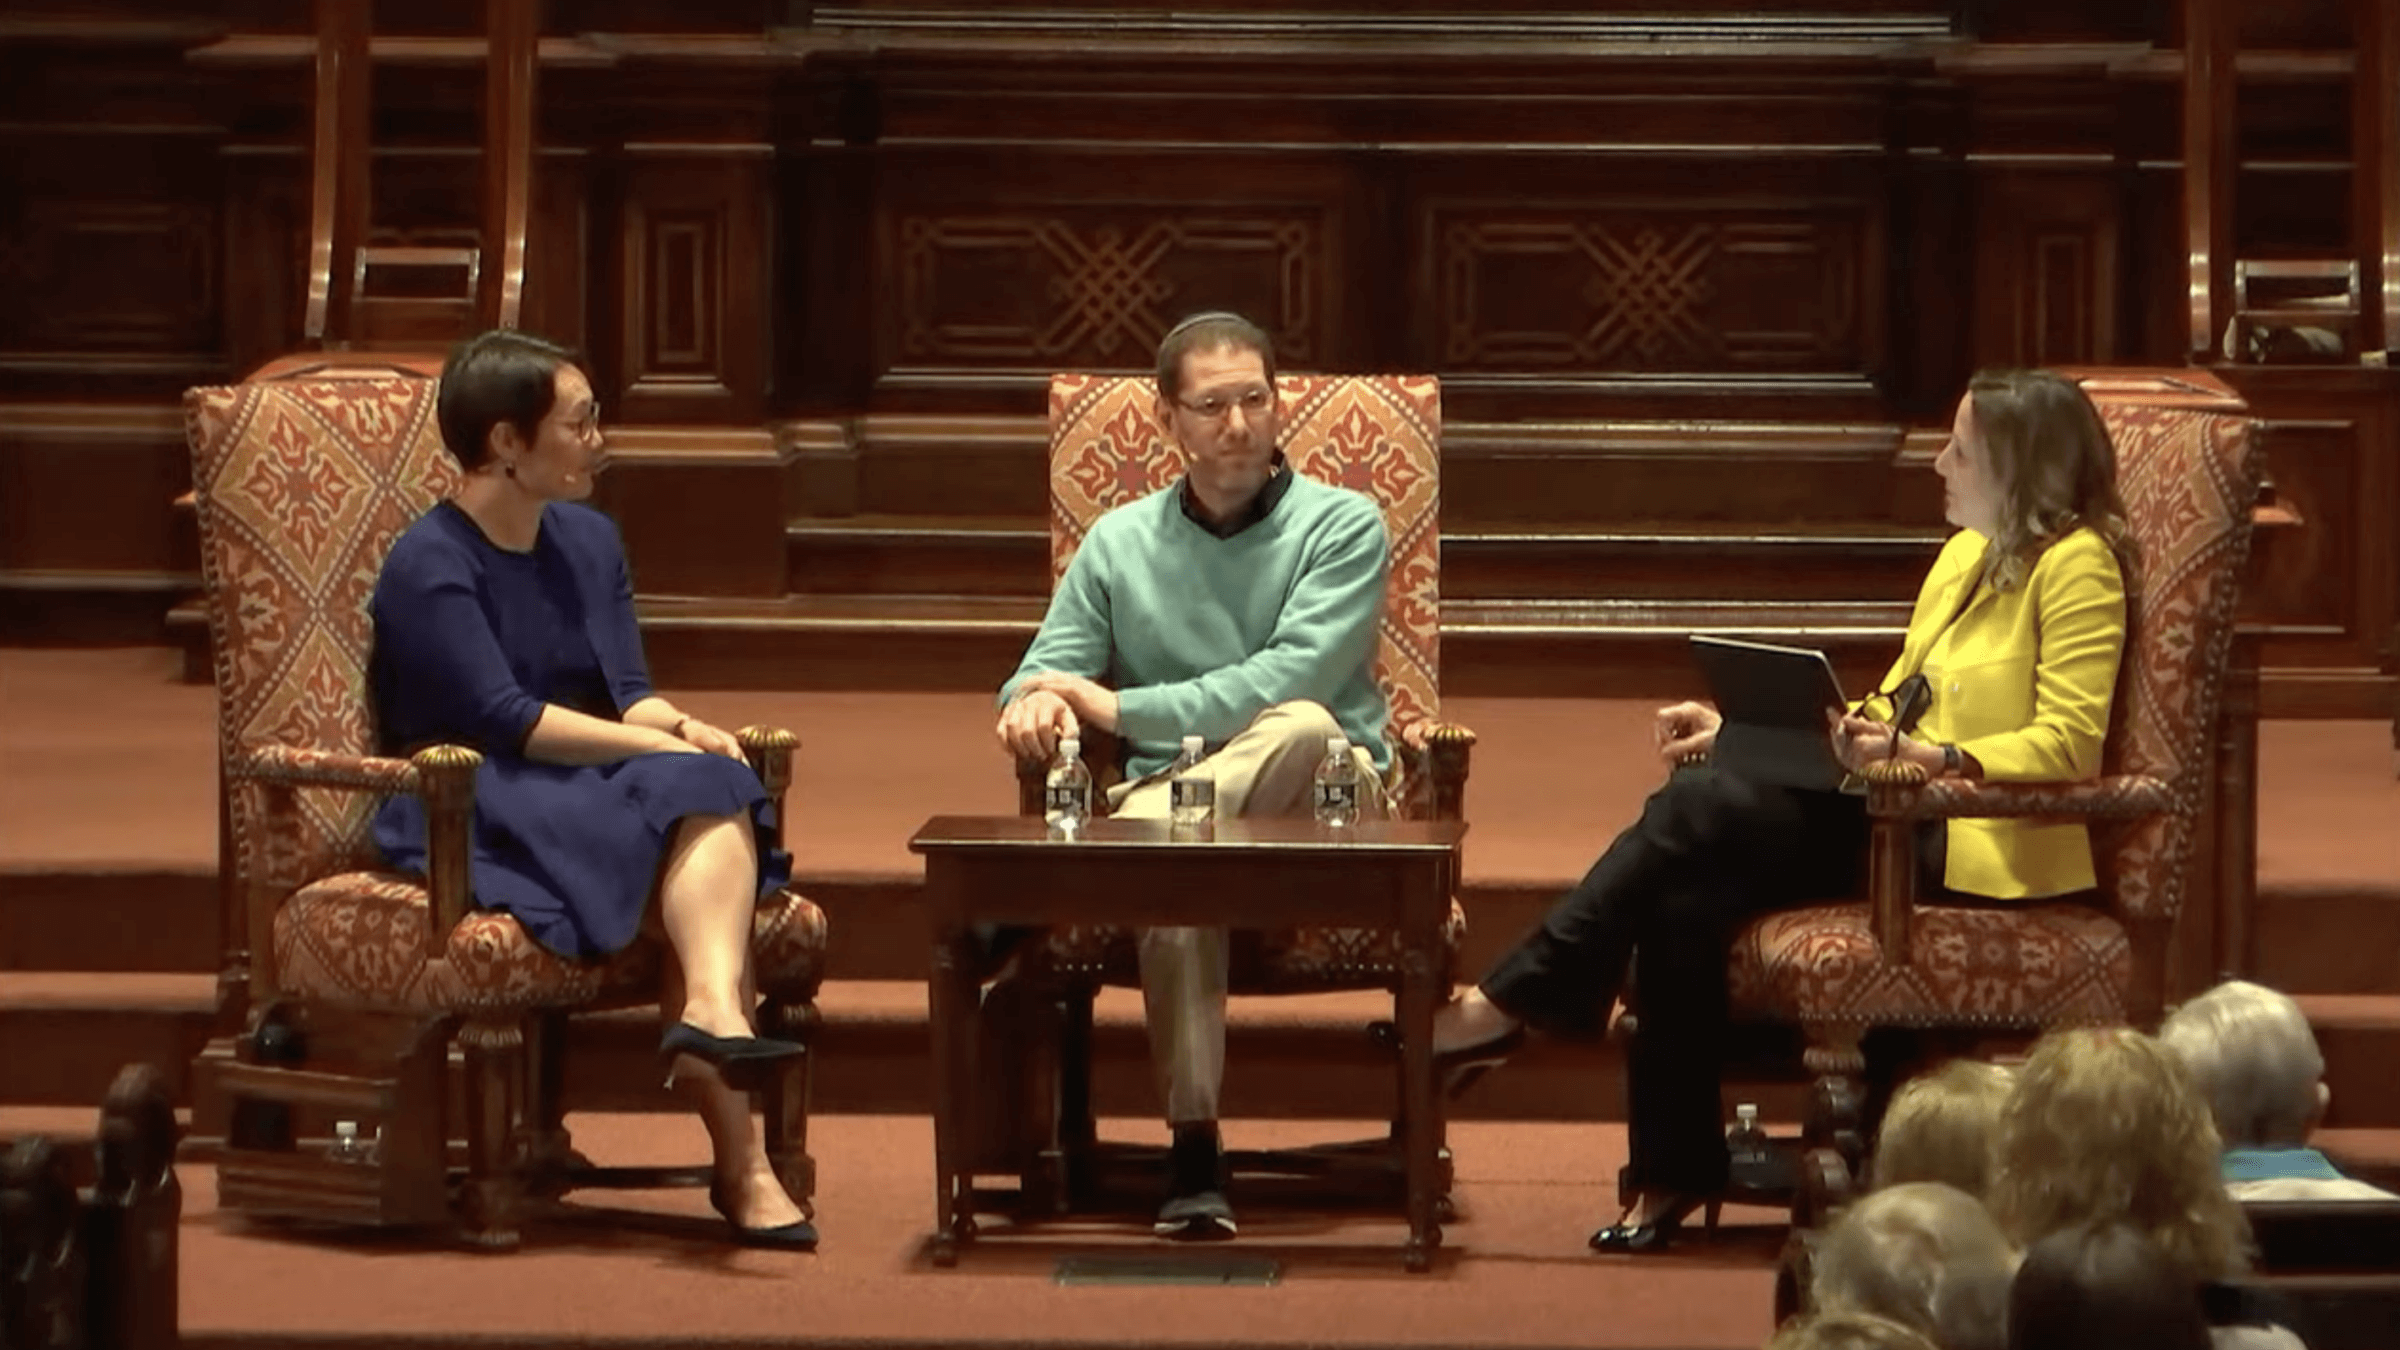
pixel 1239 606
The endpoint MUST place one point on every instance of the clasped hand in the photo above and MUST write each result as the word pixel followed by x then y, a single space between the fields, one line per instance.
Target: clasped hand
pixel 701 738
pixel 1048 705
pixel 1860 741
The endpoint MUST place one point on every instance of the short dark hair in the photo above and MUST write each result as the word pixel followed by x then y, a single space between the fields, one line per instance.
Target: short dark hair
pixel 495 377
pixel 1207 332
pixel 2106 1286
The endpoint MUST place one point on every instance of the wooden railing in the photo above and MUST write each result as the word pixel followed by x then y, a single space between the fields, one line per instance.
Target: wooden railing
pixel 340 258
pixel 96 1268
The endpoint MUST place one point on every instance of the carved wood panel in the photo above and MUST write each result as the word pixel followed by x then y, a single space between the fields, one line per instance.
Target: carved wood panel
pixel 694 277
pixel 2046 271
pixel 1645 289
pixel 1065 287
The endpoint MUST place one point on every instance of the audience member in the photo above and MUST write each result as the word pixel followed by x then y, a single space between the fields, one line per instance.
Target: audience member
pixel 2103 1286
pixel 1940 1126
pixel 1846 1331
pixel 1925 1255
pixel 2252 1055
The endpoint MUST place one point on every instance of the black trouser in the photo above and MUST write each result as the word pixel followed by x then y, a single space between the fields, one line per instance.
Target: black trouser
pixel 1710 852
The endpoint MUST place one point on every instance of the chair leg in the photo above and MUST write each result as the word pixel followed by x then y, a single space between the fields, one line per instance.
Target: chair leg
pixel 1077 1133
pixel 495 1069
pixel 1836 1107
pixel 551 1161
pixel 785 1100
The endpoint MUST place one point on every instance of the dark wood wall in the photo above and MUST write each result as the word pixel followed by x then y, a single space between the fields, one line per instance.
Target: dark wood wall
pixel 1706 277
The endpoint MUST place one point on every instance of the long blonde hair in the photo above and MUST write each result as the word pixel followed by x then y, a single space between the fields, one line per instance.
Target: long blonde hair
pixel 2056 467
pixel 2106 1124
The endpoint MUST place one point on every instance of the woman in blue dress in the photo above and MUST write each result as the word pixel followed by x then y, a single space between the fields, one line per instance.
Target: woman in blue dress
pixel 504 622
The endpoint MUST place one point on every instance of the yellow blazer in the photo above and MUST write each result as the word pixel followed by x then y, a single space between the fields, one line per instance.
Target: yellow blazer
pixel 2022 681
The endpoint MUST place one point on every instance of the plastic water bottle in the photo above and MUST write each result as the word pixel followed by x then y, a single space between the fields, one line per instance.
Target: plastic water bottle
pixel 1067 790
pixel 347 1146
pixel 1752 1159
pixel 1336 794
pixel 1191 786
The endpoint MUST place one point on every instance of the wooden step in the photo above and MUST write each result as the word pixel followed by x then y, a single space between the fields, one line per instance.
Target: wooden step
pixel 1519 648
pixel 1004 555
pixel 64 1035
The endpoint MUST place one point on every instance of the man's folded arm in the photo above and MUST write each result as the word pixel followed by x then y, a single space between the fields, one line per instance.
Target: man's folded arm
pixel 1074 637
pixel 1325 633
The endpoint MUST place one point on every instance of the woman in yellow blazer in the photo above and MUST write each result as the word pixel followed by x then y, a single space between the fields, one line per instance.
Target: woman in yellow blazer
pixel 2017 630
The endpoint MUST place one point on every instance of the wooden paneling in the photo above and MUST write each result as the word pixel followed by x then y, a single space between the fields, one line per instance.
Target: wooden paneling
pixel 2047 280
pixel 694 279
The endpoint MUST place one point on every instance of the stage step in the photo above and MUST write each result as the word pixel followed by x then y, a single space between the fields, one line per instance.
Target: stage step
pixel 920 555
pixel 64 1035
pixel 1527 648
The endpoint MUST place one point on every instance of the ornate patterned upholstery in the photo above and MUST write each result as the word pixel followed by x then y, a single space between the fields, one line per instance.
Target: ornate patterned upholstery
pixel 2189 473
pixel 1376 434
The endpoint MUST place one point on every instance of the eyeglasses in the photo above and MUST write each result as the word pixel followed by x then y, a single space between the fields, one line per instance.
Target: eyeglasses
pixel 1253 401
pixel 583 427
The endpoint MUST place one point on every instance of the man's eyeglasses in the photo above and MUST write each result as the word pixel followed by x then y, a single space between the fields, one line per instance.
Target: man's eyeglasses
pixel 1253 401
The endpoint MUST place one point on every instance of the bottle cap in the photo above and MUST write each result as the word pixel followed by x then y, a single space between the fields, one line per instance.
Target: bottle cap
pixel 1746 1111
pixel 345 1129
pixel 1193 743
pixel 1337 745
pixel 1070 747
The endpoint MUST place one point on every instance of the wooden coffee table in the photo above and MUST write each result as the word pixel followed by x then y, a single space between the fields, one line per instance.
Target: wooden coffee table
pixel 1234 874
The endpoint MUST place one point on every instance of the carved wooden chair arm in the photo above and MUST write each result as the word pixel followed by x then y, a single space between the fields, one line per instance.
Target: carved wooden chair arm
pixel 443 775
pixel 1899 795
pixel 1434 758
pixel 769 752
pixel 1906 791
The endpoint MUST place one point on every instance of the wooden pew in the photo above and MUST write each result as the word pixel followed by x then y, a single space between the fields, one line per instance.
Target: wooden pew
pixel 2329 1270
pixel 95 1268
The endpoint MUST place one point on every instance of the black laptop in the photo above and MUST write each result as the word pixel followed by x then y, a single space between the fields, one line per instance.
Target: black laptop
pixel 1773 700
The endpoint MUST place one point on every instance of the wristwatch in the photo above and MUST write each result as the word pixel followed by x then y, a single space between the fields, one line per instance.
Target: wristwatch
pixel 1952 760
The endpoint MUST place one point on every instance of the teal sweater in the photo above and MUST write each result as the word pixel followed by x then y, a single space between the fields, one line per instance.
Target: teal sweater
pixel 1199 634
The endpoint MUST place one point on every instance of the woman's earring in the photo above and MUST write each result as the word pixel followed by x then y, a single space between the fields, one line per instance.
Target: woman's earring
pixel 509 467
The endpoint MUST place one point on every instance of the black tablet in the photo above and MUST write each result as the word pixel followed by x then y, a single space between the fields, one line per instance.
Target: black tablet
pixel 1774 701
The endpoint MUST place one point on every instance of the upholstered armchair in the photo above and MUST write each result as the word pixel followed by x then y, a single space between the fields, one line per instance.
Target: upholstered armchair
pixel 346 985
pixel 2188 469
pixel 1379 435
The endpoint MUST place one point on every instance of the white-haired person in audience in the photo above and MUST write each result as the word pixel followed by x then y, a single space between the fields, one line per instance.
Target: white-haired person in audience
pixel 1847 1331
pixel 2253 1057
pixel 1923 1254
pixel 1940 1127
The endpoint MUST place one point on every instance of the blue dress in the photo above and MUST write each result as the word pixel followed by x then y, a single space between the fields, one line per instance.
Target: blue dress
pixel 471 641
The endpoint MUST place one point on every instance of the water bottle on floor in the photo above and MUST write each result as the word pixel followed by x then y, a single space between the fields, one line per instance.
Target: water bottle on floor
pixel 1067 789
pixel 1336 793
pixel 347 1146
pixel 1191 786
pixel 1752 1157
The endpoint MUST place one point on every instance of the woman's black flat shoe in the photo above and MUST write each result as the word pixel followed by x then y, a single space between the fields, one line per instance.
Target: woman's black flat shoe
pixel 1658 1234
pixel 797 1236
pixel 742 1061
pixel 1458 1069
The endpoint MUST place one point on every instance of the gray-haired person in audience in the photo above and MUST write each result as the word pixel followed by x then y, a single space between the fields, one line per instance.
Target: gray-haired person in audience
pixel 1940 1127
pixel 2250 1051
pixel 1925 1255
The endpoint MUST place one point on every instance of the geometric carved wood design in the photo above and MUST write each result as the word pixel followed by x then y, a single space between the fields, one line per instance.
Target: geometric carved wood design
pixel 1054 292
pixel 1653 291
pixel 109 276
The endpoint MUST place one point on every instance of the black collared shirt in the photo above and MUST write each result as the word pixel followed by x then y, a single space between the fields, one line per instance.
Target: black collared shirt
pixel 1279 481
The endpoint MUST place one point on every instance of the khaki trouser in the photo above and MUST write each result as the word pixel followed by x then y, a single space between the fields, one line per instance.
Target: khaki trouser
pixel 1266 770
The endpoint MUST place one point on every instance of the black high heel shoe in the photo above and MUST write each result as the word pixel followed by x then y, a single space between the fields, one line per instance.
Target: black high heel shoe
pixel 797 1236
pixel 742 1061
pixel 1460 1067
pixel 1659 1233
